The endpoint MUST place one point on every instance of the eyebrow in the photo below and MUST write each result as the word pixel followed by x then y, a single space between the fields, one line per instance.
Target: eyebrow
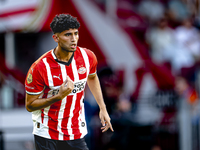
pixel 71 32
pixel 68 33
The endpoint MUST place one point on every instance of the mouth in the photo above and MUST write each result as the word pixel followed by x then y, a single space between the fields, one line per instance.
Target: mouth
pixel 73 46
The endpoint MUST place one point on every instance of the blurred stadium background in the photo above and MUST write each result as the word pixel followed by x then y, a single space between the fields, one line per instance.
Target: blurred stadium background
pixel 149 68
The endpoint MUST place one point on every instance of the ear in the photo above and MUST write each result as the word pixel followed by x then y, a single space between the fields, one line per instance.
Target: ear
pixel 55 37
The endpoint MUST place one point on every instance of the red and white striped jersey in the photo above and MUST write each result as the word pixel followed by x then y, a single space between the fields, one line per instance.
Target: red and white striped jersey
pixel 65 119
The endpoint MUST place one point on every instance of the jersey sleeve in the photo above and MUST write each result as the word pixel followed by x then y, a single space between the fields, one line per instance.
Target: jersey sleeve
pixel 34 83
pixel 93 62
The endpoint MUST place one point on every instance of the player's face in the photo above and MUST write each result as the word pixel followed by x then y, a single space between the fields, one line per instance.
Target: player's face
pixel 68 40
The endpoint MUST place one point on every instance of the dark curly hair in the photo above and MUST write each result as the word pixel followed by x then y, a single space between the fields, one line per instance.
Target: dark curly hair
pixel 64 22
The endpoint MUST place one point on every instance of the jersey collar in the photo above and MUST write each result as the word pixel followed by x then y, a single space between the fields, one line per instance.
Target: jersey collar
pixel 62 62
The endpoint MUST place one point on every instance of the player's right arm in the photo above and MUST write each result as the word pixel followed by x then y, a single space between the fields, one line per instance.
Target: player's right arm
pixel 33 102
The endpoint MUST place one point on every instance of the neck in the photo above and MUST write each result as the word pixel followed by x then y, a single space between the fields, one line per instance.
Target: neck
pixel 62 55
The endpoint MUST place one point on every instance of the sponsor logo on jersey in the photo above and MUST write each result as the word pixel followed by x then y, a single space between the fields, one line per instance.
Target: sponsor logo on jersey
pixel 55 92
pixel 29 78
pixel 58 77
pixel 78 87
pixel 82 70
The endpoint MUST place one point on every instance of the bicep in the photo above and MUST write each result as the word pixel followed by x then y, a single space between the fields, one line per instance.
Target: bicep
pixel 93 82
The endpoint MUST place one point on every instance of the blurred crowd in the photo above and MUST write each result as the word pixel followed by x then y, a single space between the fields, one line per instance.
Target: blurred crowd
pixel 170 32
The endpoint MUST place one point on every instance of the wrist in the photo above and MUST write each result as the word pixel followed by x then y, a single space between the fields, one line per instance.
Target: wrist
pixel 103 107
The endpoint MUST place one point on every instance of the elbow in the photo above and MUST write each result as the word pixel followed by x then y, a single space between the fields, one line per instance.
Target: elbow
pixel 28 108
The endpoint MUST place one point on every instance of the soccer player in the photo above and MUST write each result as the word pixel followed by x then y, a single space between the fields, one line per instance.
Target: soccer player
pixel 55 86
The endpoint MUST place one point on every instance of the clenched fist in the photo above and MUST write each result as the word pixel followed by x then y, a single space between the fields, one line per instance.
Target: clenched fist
pixel 66 88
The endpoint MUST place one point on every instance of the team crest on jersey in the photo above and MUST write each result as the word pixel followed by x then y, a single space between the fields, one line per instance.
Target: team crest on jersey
pixel 82 70
pixel 29 78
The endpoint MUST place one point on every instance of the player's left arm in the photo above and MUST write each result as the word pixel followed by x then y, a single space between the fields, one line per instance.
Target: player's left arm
pixel 94 85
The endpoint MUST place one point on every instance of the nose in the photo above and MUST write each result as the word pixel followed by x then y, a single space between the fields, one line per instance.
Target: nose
pixel 73 37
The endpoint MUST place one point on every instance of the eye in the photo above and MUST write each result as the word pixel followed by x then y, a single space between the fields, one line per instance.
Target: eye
pixel 67 34
pixel 76 33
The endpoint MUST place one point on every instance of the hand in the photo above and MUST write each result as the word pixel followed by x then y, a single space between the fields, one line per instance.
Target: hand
pixel 105 121
pixel 66 88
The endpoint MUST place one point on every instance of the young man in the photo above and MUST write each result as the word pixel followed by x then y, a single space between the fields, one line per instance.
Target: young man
pixel 55 86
